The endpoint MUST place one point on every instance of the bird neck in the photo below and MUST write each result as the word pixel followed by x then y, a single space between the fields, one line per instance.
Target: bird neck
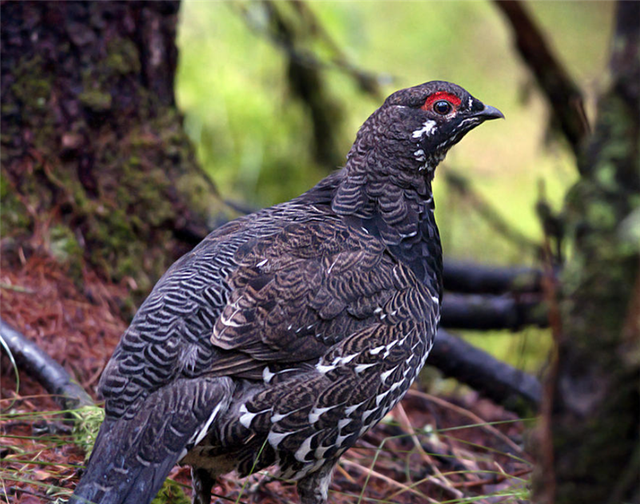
pixel 393 199
pixel 392 179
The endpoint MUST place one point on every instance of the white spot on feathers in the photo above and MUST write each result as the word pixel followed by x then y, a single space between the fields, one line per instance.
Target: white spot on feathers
pixel 247 417
pixel 203 431
pixel 275 438
pixel 267 375
pixel 386 374
pixel 361 367
pixel 377 350
pixel 304 449
pixel 315 413
pixel 351 409
pixel 324 368
pixel 379 399
pixel 344 422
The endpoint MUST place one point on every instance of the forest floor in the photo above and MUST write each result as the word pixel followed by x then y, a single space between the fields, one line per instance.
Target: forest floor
pixel 457 448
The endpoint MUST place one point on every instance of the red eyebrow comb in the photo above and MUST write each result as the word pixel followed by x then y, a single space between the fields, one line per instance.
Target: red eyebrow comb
pixel 441 95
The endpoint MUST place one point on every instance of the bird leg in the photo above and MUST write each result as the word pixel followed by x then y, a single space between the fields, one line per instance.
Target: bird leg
pixel 314 488
pixel 202 483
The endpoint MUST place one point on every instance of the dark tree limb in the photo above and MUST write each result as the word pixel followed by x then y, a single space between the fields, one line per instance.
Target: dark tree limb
pixel 469 278
pixel 368 82
pixel 307 83
pixel 588 434
pixel 564 96
pixel 484 313
pixel 500 382
pixel 293 28
pixel 37 364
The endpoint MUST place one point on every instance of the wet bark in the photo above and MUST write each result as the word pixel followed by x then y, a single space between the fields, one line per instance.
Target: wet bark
pixel 588 444
pixel 95 164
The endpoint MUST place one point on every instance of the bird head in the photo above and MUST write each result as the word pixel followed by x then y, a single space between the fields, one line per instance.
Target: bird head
pixel 420 124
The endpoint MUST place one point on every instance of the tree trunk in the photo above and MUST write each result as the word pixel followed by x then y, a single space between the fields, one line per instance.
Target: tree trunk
pixel 95 163
pixel 589 444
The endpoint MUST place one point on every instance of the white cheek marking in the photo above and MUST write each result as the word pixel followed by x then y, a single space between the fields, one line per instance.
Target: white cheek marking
pixel 426 130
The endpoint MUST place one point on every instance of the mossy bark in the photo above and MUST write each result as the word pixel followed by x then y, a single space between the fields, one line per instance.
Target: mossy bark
pixel 590 451
pixel 95 163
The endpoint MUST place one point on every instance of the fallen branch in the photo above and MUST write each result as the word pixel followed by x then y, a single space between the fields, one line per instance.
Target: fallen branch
pixel 478 279
pixel 484 313
pixel 51 375
pixel 500 382
pixel 454 357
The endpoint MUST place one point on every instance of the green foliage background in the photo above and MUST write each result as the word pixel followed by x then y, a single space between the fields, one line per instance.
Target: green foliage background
pixel 254 139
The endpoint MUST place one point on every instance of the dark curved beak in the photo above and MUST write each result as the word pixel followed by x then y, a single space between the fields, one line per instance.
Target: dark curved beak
pixel 489 112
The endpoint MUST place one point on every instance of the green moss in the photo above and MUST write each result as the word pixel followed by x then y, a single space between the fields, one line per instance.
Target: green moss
pixel 63 244
pixel 13 212
pixel 32 85
pixel 29 95
pixel 96 100
pixel 86 426
pixel 171 493
pixel 123 56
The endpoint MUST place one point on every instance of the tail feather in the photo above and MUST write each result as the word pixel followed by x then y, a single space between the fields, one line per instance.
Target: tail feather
pixel 132 457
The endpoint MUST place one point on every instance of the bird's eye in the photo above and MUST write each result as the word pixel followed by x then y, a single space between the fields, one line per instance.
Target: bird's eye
pixel 442 107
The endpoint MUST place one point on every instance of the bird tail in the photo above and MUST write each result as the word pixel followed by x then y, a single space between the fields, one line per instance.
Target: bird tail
pixel 133 455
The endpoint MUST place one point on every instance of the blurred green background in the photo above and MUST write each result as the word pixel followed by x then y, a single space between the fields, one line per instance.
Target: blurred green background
pixel 254 138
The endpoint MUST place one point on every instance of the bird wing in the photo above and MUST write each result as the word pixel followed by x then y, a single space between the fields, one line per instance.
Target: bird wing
pixel 340 329
pixel 297 293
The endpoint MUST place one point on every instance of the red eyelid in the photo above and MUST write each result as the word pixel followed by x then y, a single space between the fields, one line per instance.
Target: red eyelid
pixel 440 95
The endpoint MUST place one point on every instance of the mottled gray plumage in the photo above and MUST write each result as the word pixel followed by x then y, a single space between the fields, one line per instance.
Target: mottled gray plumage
pixel 288 333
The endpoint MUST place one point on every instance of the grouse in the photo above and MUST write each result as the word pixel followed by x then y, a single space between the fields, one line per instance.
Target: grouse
pixel 288 333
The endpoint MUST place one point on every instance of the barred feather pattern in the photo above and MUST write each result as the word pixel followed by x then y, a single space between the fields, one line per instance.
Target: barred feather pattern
pixel 286 334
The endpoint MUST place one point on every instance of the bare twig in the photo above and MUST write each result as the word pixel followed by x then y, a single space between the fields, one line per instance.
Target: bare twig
pixel 473 417
pixel 403 488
